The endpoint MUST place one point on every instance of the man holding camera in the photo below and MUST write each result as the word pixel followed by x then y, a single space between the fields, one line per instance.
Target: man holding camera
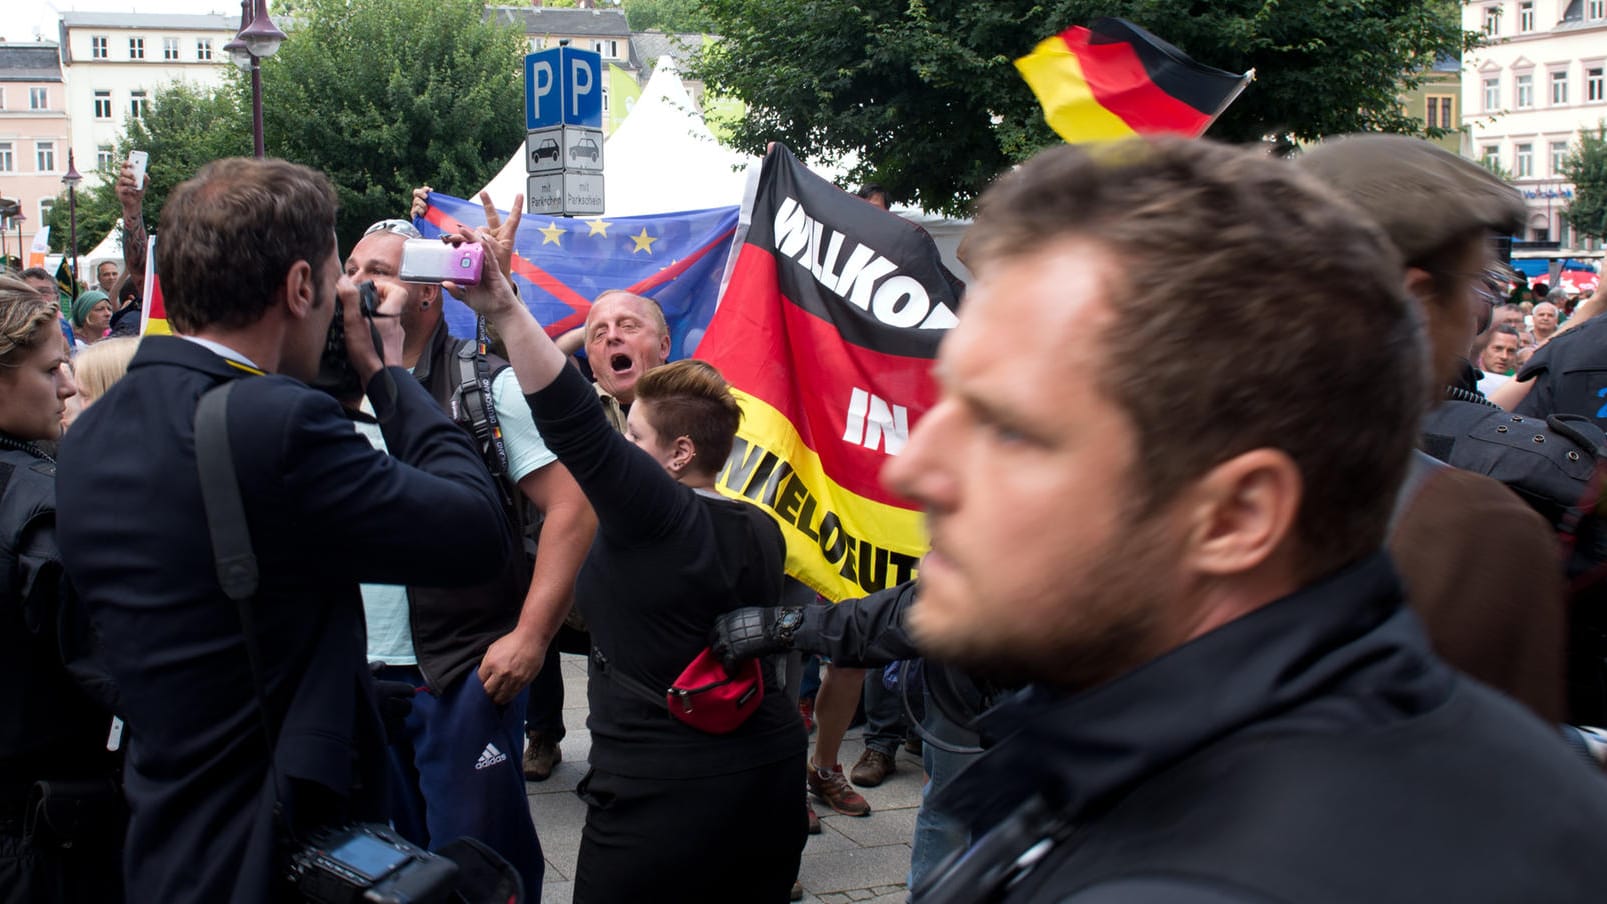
pixel 238 748
pixel 472 650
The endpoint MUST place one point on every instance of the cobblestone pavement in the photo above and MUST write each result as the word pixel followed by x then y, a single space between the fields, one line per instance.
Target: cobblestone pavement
pixel 853 859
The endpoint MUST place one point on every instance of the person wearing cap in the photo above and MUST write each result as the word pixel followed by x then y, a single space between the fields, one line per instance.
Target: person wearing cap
pixel 471 651
pixel 91 317
pixel 1480 565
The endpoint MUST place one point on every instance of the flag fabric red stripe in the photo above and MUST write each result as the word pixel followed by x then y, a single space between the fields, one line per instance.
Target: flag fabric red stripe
pixel 1121 84
pixel 827 374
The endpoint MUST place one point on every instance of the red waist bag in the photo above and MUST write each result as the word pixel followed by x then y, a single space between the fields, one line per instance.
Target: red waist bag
pixel 704 696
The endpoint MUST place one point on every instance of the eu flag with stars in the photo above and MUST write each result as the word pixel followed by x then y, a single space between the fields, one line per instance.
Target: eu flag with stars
pixel 560 265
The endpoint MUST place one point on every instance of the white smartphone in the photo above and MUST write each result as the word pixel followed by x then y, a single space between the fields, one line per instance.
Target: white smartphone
pixel 138 160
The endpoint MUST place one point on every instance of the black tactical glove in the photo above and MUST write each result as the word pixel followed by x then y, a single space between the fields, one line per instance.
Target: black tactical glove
pixel 743 634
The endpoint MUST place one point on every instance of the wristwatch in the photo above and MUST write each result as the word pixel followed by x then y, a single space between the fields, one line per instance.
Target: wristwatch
pixel 789 621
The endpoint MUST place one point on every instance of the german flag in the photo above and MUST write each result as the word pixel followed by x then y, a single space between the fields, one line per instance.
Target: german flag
pixel 1114 80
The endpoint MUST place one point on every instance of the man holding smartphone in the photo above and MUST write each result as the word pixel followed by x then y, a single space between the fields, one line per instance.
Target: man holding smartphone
pixel 472 651
pixel 251 279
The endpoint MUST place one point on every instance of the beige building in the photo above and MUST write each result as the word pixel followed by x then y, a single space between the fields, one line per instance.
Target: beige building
pixel 33 136
pixel 1527 94
pixel 115 62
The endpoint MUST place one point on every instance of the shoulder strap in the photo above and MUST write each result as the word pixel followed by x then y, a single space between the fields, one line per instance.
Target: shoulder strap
pixel 635 686
pixel 478 404
pixel 232 554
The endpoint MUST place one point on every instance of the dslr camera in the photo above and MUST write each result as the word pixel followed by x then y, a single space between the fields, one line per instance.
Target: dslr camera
pixel 335 374
pixel 369 863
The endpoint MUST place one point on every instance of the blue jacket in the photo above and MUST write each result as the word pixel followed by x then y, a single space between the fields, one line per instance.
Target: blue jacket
pixel 325 512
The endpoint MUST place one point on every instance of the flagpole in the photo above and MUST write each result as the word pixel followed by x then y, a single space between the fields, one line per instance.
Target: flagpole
pixel 1244 82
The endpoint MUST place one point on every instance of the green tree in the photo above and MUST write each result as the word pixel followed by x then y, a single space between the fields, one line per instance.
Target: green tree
pixel 386 95
pixel 1586 168
pixel 186 127
pixel 925 94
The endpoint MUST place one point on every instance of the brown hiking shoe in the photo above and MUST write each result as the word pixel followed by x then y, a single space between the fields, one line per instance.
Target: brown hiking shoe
pixel 833 790
pixel 872 769
pixel 541 757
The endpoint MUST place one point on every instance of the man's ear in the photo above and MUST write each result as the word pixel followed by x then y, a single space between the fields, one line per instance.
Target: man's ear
pixel 1420 285
pixel 430 298
pixel 300 292
pixel 664 348
pixel 1241 512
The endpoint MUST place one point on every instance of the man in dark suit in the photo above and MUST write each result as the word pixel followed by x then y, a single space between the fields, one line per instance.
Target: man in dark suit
pixel 251 274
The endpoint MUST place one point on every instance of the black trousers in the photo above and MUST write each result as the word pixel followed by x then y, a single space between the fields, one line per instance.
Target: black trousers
pixel 733 838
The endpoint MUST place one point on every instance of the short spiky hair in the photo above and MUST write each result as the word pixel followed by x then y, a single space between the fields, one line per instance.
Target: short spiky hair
pixel 1320 356
pixel 690 398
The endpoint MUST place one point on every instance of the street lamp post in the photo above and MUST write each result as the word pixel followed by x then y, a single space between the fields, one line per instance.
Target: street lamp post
pixel 21 262
pixel 71 180
pixel 257 39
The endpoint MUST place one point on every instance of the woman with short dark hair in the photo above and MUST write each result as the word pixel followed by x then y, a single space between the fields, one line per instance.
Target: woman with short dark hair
pixel 673 813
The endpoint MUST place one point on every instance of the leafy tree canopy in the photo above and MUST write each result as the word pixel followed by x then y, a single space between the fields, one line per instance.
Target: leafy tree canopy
pixel 925 94
pixel 381 95
pixel 1586 168
pixel 386 95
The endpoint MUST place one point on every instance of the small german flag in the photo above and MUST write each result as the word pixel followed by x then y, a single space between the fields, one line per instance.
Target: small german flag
pixel 1114 79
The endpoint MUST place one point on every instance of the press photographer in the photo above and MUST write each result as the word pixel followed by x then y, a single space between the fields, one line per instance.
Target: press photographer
pixel 251 275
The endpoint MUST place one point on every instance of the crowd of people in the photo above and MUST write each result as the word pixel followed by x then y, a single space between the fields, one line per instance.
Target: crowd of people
pixel 1190 632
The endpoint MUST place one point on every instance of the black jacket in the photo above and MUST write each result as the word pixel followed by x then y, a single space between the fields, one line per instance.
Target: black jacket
pixel 49 728
pixel 1312 751
pixel 325 512
pixel 865 633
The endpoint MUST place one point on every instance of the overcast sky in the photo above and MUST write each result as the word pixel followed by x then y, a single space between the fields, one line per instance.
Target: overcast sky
pixel 24 19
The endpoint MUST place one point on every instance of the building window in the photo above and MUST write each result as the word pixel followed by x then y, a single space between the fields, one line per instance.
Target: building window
pixel 609 49
pixel 1559 156
pixel 1440 111
pixel 1540 234
pixel 7 161
pixel 1525 161
pixel 137 104
pixel 136 48
pixel 1492 20
pixel 38 99
pixel 170 48
pixel 44 209
pixel 1490 156
pixel 1559 88
pixel 1596 9
pixel 1593 84
pixel 44 156
pixel 1526 15
pixel 97 47
pixel 103 105
pixel 2 98
pixel 203 48
pixel 1492 94
pixel 1525 92
pixel 103 158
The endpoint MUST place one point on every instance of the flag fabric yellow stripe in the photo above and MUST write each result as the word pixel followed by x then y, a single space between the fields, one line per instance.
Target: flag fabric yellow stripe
pixel 838 542
pixel 1056 76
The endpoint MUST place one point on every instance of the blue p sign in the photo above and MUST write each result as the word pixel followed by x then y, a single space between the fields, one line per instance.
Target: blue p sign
pixel 543 91
pixel 583 88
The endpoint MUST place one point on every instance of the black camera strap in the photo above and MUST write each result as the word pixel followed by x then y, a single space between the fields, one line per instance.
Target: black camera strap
pixel 231 538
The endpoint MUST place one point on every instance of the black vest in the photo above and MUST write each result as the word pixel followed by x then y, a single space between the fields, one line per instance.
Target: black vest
pixel 453 627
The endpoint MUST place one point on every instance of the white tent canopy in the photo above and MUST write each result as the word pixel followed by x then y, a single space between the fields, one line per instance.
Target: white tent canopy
pixel 661 159
pixel 109 249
